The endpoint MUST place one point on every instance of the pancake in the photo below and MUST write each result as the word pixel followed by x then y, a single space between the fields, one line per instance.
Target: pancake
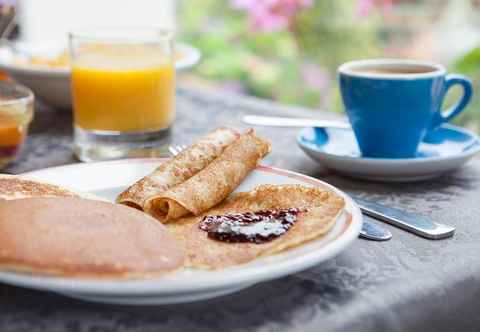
pixel 213 184
pixel 323 208
pixel 15 187
pixel 18 187
pixel 71 236
pixel 179 168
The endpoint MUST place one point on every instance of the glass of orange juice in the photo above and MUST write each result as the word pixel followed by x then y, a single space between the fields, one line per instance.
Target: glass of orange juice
pixel 123 87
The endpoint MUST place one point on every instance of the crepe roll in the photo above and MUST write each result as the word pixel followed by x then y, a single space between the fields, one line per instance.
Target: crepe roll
pixel 178 169
pixel 213 184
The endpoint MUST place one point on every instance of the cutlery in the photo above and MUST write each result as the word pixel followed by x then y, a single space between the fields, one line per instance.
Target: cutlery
pixel 413 223
pixel 7 20
pixel 369 230
pixel 176 149
pixel 277 121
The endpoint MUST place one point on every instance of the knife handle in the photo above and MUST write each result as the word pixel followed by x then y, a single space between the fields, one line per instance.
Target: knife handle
pixel 414 223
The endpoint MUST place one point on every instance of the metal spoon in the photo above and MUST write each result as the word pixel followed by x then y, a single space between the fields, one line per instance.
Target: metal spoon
pixel 371 231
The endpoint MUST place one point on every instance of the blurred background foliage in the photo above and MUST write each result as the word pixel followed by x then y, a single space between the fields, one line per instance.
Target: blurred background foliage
pixel 288 50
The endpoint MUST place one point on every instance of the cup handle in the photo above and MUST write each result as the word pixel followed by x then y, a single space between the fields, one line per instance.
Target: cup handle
pixel 456 109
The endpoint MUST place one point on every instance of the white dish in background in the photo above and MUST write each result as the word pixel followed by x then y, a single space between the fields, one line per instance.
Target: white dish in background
pixel 107 179
pixel 52 85
pixel 443 150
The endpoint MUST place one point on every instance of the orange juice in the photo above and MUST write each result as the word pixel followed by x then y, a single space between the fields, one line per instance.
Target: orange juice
pixel 123 89
pixel 126 91
pixel 12 132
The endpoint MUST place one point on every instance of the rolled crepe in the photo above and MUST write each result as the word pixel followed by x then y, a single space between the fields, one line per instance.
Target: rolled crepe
pixel 213 184
pixel 178 169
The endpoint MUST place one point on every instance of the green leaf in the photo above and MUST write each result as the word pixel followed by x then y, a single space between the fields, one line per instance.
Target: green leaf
pixel 469 63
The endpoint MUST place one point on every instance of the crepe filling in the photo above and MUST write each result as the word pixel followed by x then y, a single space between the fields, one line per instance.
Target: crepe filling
pixel 255 227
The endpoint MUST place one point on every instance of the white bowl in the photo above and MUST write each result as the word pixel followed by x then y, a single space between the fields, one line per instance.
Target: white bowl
pixel 52 85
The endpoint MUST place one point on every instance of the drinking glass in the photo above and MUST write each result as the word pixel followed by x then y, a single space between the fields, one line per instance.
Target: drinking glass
pixel 123 87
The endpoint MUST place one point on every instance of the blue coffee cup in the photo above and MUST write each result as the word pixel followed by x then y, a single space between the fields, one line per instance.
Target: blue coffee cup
pixel 392 104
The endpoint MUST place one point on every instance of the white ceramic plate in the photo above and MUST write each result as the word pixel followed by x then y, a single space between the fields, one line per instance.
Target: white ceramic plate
pixel 52 85
pixel 107 179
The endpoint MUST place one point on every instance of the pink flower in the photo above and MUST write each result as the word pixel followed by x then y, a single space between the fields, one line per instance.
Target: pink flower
pixel 315 76
pixel 366 7
pixel 271 15
pixel 8 2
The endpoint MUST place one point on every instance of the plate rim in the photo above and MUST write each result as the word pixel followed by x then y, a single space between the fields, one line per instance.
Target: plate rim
pixel 392 161
pixel 64 72
pixel 252 274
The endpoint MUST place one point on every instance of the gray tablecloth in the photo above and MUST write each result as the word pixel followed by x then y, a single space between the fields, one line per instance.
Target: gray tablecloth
pixel 406 284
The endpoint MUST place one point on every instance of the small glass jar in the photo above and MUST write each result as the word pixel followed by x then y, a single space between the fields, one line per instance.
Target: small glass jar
pixel 16 113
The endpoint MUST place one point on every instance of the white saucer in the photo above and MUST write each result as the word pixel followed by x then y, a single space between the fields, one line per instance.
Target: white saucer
pixel 107 179
pixel 445 149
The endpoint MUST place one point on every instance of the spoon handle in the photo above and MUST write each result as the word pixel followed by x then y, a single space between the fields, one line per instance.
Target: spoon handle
pixel 277 121
pixel 371 231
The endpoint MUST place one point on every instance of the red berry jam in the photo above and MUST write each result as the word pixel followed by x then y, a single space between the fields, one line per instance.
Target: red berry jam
pixel 255 227
pixel 8 151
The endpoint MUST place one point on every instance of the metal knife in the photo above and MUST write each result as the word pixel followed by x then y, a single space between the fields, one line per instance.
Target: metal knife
pixel 413 223
pixel 277 121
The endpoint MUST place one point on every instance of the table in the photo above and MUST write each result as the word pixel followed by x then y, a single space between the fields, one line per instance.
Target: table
pixel 406 284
